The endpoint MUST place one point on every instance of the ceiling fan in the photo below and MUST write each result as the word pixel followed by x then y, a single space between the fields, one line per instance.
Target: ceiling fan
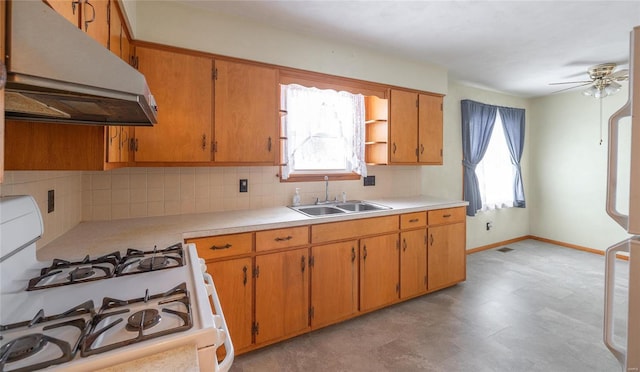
pixel 603 83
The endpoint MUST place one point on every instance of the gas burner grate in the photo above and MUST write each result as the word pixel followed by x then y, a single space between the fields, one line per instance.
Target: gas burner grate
pixel 137 261
pixel 109 329
pixel 63 272
pixel 22 350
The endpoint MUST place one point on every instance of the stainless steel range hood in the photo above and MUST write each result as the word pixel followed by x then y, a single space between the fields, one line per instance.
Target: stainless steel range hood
pixel 57 73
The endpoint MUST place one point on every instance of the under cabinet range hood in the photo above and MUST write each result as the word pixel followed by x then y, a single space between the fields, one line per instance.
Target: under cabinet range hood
pixel 57 73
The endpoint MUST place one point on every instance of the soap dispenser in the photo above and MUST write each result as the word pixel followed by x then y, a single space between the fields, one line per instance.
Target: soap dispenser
pixel 296 198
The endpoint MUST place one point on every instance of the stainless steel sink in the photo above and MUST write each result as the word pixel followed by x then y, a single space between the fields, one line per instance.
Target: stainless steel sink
pixel 318 210
pixel 354 206
pixel 361 206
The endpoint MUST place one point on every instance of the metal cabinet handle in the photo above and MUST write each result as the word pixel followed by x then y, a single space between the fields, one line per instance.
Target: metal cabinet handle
pixel 269 145
pixel 93 17
pixel 431 239
pixel 115 135
pixel 204 142
pixel 365 253
pixel 421 149
pixel 394 147
pixel 353 254
pixel 73 6
pixel 404 244
pixel 414 220
pixel 226 246
pixel 244 274
pixel 446 215
pixel 279 239
pixel 303 263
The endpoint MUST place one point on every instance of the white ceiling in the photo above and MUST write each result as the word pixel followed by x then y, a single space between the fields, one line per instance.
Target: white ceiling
pixel 516 47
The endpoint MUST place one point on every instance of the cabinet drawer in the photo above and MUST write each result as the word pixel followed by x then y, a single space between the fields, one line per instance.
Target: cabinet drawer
pixel 409 220
pixel 281 238
pixel 353 229
pixel 445 216
pixel 223 245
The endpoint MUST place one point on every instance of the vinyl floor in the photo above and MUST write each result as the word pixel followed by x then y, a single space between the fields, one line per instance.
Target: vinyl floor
pixel 538 307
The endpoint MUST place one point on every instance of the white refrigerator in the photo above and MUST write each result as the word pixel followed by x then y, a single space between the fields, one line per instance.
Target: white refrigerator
pixel 628 355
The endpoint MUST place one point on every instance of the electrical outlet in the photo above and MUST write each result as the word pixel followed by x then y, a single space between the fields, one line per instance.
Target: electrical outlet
pixel 51 201
pixel 489 225
pixel 370 181
pixel 244 185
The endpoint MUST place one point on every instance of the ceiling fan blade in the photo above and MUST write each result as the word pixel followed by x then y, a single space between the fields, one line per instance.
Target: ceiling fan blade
pixel 620 75
pixel 573 82
pixel 577 86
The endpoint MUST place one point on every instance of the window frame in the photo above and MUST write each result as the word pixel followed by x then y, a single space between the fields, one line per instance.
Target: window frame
pixel 322 81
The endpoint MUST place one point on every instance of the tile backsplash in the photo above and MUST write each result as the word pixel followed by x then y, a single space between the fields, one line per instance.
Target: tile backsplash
pixel 68 197
pixel 143 192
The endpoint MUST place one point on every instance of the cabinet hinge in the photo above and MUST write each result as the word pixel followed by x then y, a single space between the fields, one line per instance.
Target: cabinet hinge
pixel 312 260
pixel 440 152
pixel 397 287
pixel 255 328
pixel 108 20
pixel 441 109
pixel 398 244
pixel 215 146
pixel 425 280
pixel 256 272
pixel 214 74
pixel 417 102
pixel 311 312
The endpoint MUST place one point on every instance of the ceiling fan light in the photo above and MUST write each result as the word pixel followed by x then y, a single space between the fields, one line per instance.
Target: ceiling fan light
pixel 612 88
pixel 592 91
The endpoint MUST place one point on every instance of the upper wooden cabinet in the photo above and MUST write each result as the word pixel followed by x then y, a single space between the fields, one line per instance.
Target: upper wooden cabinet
pixel 2 54
pixel 92 16
pixel 182 86
pixel 246 113
pixel 415 128
pixel 69 9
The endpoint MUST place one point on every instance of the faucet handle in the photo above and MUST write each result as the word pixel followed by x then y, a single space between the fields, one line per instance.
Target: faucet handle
pixel 317 200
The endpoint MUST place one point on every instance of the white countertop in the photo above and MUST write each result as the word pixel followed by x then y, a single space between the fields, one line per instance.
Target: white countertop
pixel 96 238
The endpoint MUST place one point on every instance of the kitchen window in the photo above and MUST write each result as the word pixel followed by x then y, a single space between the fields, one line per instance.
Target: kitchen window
pixel 323 133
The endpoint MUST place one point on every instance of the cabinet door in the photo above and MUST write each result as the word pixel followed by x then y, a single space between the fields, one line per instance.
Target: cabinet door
pixel 282 294
pixel 403 127
pixel 69 9
pixel 334 282
pixel 115 31
pixel 233 283
pixel 183 90
pixel 446 255
pixel 413 263
pixel 94 20
pixel 246 113
pixel 379 271
pixel 430 129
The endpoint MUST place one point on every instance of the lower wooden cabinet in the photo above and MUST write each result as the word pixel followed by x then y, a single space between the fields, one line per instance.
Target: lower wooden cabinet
pixel 379 271
pixel 446 258
pixel 413 263
pixel 334 282
pixel 279 283
pixel 282 294
pixel 234 286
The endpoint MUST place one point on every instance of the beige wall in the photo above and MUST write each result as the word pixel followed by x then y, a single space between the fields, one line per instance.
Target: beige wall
pixel 569 169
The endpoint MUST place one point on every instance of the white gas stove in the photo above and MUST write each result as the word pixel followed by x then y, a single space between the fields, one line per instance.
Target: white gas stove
pixel 91 313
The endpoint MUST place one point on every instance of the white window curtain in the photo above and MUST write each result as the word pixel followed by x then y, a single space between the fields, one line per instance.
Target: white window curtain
pixel 325 131
pixel 495 172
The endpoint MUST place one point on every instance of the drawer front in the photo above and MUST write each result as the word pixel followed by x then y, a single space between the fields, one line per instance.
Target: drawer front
pixel 223 245
pixel 409 220
pixel 355 229
pixel 445 216
pixel 281 238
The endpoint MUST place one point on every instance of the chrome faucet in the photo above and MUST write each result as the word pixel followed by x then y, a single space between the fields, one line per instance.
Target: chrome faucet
pixel 326 189
pixel 326 192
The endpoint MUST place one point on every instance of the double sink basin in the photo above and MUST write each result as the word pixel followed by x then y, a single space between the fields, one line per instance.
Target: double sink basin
pixel 352 206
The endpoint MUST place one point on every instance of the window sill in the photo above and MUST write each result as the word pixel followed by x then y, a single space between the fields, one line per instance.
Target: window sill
pixel 320 177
